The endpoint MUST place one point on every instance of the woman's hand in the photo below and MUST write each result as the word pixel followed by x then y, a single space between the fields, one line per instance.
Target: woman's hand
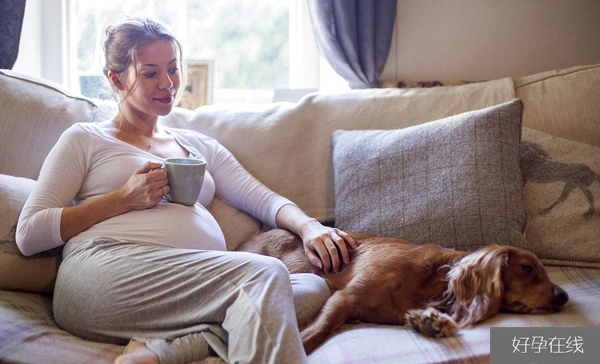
pixel 145 187
pixel 322 244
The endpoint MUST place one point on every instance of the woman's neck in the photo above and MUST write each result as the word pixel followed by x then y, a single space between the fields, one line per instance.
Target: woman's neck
pixel 133 124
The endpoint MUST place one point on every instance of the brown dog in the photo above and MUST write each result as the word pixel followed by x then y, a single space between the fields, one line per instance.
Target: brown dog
pixel 431 289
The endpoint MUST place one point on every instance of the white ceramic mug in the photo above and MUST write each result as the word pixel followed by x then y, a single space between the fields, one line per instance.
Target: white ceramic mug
pixel 186 176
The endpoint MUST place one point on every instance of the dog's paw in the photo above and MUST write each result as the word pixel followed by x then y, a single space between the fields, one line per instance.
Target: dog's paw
pixel 431 322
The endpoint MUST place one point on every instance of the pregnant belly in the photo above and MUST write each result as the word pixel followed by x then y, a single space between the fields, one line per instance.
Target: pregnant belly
pixel 167 224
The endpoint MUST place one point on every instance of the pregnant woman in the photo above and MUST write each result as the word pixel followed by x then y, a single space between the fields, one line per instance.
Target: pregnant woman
pixel 139 269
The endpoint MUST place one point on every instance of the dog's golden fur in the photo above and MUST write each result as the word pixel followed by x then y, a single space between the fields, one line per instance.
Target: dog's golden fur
pixel 431 289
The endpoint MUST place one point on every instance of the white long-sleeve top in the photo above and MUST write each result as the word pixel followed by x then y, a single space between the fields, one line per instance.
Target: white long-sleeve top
pixel 87 163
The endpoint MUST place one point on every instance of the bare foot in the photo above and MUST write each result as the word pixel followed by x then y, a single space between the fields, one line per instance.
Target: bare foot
pixel 137 353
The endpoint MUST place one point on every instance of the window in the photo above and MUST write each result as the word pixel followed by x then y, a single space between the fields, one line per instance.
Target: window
pixel 258 46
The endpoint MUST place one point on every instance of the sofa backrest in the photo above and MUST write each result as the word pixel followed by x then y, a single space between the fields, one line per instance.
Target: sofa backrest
pixel 288 146
pixel 564 103
pixel 33 115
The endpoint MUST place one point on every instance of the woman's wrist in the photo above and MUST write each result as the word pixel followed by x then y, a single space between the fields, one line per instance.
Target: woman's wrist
pixel 117 198
pixel 305 226
pixel 291 218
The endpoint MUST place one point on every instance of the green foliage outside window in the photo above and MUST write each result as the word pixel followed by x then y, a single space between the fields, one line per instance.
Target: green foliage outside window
pixel 248 39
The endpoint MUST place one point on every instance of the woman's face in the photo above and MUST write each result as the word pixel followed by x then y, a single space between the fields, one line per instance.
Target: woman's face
pixel 159 79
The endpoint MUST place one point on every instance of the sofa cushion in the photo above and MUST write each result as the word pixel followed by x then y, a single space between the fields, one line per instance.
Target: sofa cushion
pixel 455 182
pixel 562 194
pixel 564 103
pixel 237 226
pixel 288 146
pixel 30 335
pixel 37 273
pixel 18 272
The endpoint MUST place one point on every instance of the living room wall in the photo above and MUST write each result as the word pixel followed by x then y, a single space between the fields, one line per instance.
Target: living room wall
pixel 488 39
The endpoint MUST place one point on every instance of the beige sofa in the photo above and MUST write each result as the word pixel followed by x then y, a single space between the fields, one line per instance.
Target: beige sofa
pixel 288 147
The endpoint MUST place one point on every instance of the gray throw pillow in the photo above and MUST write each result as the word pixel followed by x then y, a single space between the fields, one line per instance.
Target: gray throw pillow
pixel 454 182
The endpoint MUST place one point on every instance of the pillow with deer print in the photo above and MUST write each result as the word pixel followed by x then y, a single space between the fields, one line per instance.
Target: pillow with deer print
pixel 562 198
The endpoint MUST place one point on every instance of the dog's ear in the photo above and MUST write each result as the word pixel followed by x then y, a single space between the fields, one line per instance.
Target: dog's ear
pixel 475 286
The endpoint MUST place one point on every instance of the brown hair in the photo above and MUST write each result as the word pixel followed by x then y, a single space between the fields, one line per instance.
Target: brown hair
pixel 124 39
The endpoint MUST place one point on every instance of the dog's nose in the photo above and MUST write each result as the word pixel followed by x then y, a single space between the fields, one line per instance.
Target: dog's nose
pixel 560 296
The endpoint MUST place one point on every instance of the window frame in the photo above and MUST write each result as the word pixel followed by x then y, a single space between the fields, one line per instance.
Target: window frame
pixel 60 47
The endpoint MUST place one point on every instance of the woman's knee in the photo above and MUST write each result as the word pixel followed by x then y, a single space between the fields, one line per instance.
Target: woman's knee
pixel 275 265
pixel 310 294
pixel 263 263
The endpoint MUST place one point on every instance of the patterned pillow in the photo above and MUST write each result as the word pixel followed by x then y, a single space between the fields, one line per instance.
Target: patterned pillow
pixel 455 182
pixel 561 193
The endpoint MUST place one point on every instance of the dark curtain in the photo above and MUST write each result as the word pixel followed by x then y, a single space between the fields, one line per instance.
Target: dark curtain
pixel 354 36
pixel 11 22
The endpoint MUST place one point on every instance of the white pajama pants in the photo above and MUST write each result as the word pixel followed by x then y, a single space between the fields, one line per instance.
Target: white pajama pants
pixel 186 303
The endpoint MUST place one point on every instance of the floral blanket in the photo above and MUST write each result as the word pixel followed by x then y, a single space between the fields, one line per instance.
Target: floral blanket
pixel 28 333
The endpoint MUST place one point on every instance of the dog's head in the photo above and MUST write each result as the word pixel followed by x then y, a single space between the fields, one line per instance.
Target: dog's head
pixel 498 278
pixel 527 288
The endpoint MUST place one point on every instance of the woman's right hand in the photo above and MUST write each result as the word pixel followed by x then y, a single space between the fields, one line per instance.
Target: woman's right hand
pixel 145 188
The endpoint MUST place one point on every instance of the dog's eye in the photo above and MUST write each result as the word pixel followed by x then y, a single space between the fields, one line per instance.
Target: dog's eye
pixel 527 268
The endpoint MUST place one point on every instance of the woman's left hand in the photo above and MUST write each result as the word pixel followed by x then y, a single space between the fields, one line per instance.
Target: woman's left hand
pixel 322 244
